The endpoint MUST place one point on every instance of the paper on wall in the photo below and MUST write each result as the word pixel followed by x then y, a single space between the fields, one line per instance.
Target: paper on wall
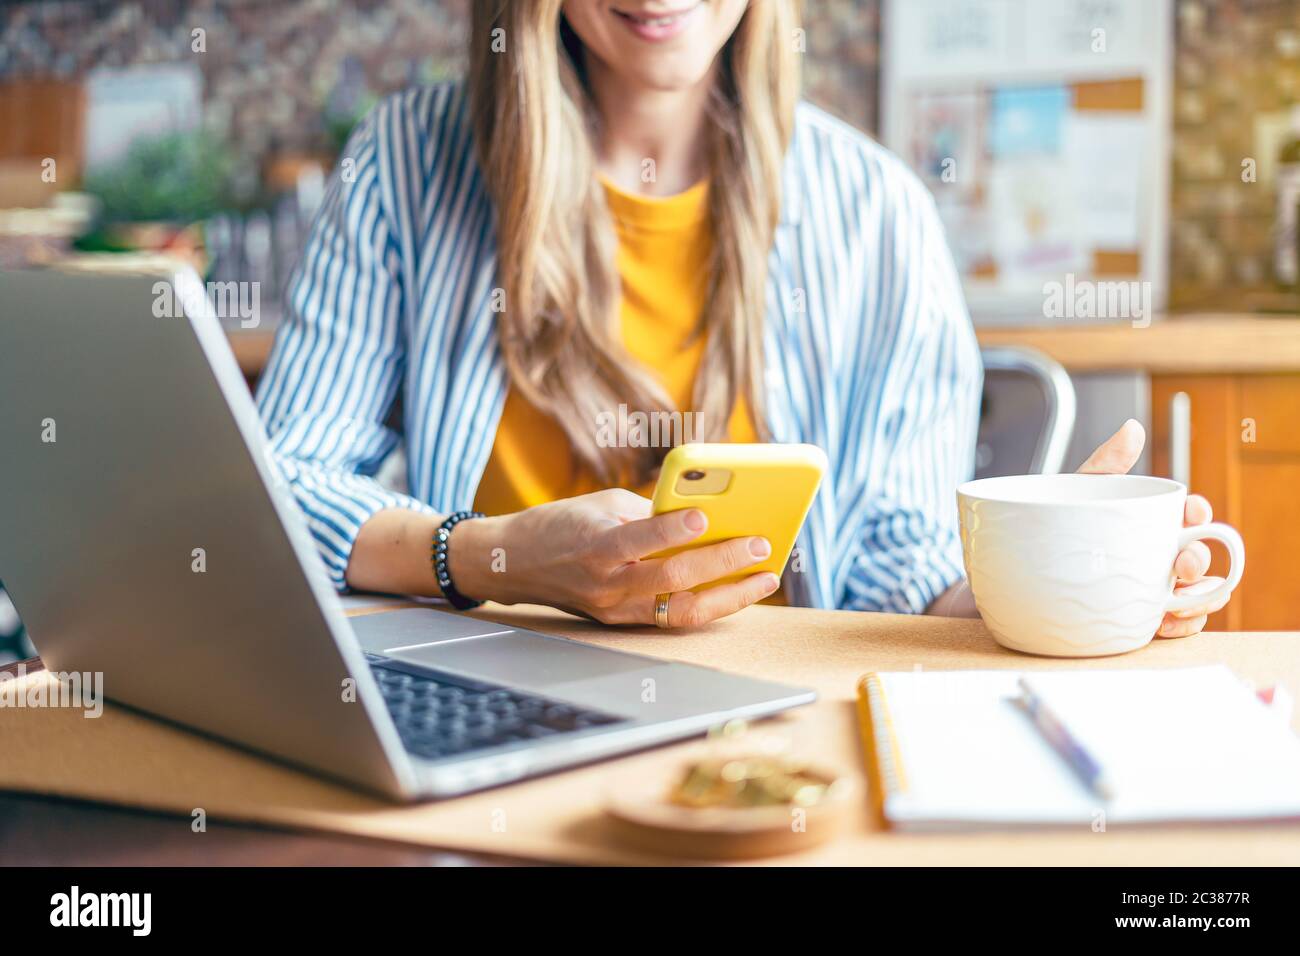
pixel 1035 221
pixel 1103 154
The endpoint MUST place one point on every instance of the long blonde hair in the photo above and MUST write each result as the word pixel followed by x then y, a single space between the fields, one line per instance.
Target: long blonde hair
pixel 534 126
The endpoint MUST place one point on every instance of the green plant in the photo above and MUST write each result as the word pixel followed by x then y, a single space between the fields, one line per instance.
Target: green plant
pixel 339 123
pixel 178 177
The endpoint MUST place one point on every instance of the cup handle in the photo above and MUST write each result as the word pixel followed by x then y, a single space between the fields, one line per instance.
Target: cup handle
pixel 1236 552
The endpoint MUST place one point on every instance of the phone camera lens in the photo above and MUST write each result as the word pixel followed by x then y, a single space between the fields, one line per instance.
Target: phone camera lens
pixel 693 475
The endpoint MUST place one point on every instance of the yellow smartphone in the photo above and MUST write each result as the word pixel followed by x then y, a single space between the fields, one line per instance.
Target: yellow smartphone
pixel 743 490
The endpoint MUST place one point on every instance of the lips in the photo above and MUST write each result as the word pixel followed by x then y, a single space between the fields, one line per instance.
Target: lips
pixel 653 20
pixel 655 24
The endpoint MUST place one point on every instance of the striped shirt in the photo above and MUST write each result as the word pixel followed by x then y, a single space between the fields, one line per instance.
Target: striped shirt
pixel 868 346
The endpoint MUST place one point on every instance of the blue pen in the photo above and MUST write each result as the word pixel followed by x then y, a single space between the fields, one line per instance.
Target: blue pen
pixel 1055 732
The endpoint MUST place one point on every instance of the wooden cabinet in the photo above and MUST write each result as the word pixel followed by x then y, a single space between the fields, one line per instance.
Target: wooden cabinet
pixel 1244 457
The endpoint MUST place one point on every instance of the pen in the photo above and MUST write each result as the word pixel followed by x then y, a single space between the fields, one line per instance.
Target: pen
pixel 1055 732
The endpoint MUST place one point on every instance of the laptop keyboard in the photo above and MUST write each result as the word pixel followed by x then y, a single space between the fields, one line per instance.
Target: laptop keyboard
pixel 438 715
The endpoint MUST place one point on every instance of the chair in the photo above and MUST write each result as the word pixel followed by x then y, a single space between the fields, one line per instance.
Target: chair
pixel 14 644
pixel 1027 414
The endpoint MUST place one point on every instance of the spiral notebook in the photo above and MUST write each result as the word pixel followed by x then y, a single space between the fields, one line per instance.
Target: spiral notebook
pixel 952 749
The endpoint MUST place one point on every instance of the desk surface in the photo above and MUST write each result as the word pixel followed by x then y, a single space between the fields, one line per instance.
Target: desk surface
pixel 559 817
pixel 45 831
pixel 39 830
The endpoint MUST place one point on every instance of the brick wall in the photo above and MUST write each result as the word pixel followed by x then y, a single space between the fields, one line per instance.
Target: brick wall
pixel 272 65
pixel 1238 62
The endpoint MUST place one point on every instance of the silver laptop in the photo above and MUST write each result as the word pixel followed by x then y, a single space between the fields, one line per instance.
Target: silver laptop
pixel 146 535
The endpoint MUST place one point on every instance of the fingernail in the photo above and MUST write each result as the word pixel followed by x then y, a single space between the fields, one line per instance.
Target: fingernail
pixel 771 584
pixel 695 521
pixel 759 547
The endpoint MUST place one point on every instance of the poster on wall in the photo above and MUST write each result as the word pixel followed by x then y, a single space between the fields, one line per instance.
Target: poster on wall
pixel 1041 128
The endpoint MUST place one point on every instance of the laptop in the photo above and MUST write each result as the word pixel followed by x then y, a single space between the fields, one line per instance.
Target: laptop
pixel 146 534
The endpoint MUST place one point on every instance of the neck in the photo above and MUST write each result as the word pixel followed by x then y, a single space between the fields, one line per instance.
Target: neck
pixel 651 141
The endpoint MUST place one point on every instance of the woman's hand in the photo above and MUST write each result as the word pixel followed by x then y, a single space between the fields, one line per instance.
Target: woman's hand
pixel 1116 456
pixel 588 555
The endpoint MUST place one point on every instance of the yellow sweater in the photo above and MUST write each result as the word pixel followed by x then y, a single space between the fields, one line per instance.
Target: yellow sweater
pixel 663 259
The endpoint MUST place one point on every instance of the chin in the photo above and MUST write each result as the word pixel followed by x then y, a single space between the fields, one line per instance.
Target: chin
pixel 640 41
pixel 671 76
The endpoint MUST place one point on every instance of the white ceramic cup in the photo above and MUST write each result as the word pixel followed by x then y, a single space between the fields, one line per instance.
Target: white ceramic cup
pixel 1080 565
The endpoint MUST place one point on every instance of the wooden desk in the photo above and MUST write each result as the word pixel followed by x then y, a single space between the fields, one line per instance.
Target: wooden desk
pixel 39 830
pixel 46 831
pixel 559 817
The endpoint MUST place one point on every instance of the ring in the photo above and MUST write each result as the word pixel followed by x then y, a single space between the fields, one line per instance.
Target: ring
pixel 661 609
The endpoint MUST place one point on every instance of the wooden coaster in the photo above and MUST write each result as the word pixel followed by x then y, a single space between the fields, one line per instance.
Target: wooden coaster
pixel 644 819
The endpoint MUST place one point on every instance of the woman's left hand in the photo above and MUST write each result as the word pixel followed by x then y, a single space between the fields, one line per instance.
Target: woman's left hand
pixel 1116 456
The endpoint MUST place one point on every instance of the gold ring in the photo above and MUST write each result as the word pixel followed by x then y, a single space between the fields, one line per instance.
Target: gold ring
pixel 661 609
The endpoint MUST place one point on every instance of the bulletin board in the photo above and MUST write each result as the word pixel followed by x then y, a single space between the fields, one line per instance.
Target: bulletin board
pixel 1042 129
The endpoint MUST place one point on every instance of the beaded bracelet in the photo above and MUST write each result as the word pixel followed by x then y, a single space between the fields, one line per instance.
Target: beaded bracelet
pixel 438 557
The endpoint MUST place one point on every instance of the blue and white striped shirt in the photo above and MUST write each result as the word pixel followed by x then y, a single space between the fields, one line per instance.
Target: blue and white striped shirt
pixel 869 349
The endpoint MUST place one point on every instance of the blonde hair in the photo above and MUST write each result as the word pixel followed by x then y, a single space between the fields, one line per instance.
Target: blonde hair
pixel 534 126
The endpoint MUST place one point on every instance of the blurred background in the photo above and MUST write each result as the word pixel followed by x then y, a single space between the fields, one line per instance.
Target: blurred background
pixel 1153 141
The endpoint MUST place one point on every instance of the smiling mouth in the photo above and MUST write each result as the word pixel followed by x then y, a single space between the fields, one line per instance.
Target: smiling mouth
pixel 657 21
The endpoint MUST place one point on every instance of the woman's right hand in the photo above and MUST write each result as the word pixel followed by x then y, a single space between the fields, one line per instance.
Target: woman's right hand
pixel 590 556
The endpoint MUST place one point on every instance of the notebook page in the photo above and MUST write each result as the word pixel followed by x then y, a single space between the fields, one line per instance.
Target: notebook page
pixel 1181 744
pixel 1191 744
pixel 969 755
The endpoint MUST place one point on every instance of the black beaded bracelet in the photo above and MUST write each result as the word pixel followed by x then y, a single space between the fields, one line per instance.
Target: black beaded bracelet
pixel 438 556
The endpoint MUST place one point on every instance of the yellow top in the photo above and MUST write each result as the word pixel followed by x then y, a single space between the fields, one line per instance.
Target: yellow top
pixel 663 259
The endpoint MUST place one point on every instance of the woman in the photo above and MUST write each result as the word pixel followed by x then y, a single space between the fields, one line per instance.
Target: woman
pixel 625 206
